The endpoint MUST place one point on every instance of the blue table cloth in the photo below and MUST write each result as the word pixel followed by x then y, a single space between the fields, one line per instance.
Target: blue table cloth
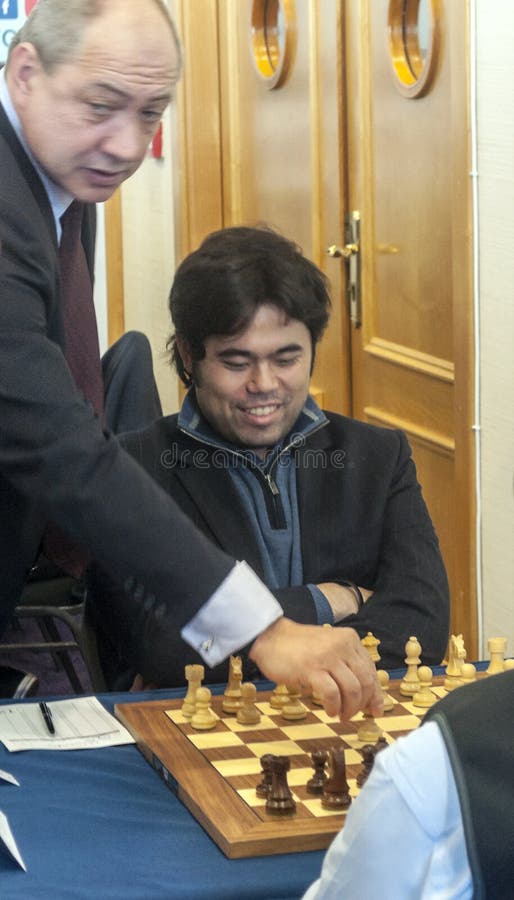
pixel 102 824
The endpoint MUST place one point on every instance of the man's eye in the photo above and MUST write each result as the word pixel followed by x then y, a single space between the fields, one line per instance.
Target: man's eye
pixel 100 109
pixel 286 360
pixel 235 366
pixel 152 115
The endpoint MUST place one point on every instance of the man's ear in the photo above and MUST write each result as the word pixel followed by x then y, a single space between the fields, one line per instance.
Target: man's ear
pixel 24 65
pixel 185 353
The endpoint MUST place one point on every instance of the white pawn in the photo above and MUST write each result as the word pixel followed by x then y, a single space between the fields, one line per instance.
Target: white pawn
pixel 369 731
pixel 425 697
pixel 294 708
pixel 248 714
pixel 279 697
pixel 203 717
pixel 383 677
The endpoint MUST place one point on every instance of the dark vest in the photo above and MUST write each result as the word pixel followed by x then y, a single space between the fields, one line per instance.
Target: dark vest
pixel 477 723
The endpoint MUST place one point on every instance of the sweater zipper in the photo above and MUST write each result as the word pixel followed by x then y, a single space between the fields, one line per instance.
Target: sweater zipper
pixel 273 499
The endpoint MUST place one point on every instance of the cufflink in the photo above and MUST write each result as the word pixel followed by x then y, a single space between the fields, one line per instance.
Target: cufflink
pixel 206 645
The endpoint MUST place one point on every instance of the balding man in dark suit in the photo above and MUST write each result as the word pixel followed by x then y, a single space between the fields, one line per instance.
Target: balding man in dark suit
pixel 81 97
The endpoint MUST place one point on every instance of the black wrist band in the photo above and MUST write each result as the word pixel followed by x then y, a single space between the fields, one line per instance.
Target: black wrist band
pixel 356 590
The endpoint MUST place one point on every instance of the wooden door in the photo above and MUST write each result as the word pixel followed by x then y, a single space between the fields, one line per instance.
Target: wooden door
pixel 407 169
pixel 337 136
pixel 252 154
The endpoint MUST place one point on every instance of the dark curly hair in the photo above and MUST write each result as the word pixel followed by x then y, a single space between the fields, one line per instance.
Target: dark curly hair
pixel 219 287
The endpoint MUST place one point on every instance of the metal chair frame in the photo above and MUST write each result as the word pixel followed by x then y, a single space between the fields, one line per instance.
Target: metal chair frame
pixel 60 599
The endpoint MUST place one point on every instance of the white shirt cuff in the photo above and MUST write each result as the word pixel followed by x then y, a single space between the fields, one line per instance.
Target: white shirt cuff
pixel 240 609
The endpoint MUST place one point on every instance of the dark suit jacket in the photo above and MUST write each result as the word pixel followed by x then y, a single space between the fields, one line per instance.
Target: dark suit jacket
pixel 362 519
pixel 55 461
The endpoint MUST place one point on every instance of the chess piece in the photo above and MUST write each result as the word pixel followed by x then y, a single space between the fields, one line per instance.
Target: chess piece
pixel 425 697
pixel 508 665
pixel 336 792
pixel 457 655
pixel 497 647
pixel 203 718
pixel 294 708
pixel 194 677
pixel 279 697
pixel 264 786
pixel 389 701
pixel 410 682
pixel 369 731
pixel 468 673
pixel 280 800
pixel 232 696
pixel 316 784
pixel 248 714
pixel 370 642
pixel 369 752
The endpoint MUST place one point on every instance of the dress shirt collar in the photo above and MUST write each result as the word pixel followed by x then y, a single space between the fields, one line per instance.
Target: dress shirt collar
pixel 58 197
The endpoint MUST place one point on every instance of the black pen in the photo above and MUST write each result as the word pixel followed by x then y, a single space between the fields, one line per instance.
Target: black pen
pixel 47 716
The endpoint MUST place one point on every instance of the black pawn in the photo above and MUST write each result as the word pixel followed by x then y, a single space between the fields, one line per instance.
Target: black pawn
pixel 319 761
pixel 369 752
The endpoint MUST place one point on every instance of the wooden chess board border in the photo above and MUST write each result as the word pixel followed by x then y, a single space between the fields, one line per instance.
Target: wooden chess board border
pixel 235 826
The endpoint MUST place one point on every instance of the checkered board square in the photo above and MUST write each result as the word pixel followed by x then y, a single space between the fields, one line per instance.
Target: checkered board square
pixel 215 772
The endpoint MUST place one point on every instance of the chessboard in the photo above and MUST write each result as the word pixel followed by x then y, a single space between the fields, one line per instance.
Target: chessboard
pixel 215 772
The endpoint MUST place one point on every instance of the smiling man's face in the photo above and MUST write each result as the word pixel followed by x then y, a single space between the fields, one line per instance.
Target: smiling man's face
pixel 252 386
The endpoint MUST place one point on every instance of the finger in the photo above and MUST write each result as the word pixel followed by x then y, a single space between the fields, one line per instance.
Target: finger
pixel 340 691
pixel 327 691
pixel 366 674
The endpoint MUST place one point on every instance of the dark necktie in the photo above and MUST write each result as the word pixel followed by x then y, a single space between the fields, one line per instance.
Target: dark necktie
pixel 81 335
pixel 82 355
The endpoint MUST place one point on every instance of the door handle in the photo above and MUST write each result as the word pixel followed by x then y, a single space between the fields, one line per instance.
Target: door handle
pixel 350 252
pixel 346 251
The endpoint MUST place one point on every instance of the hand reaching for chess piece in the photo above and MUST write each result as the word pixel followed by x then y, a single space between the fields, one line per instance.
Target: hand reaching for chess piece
pixel 329 661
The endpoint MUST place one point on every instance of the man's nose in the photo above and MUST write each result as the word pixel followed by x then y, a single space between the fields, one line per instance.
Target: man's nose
pixel 263 378
pixel 126 141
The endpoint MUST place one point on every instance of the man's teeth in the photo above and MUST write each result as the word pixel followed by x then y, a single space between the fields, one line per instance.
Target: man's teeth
pixel 261 410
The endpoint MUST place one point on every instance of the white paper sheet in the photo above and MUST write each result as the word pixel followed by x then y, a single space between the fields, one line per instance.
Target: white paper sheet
pixel 7 838
pixel 6 776
pixel 80 723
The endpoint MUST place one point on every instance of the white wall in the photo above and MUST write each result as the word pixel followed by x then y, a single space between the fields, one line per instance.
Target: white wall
pixel 495 132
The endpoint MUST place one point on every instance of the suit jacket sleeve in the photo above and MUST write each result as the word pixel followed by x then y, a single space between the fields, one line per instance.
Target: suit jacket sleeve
pixel 54 454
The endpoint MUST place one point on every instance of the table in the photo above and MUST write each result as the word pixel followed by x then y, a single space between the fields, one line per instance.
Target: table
pixel 102 825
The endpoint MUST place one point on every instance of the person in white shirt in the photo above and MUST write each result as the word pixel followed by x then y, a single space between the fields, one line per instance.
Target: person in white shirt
pixel 435 819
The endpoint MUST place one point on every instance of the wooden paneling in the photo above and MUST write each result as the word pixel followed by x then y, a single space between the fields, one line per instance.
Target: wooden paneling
pixel 412 358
